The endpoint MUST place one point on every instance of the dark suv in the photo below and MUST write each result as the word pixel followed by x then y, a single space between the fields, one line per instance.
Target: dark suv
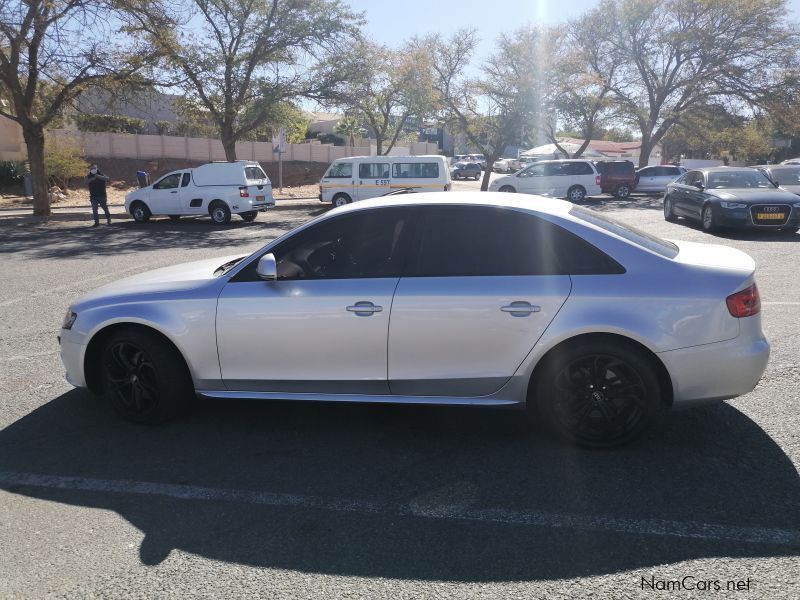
pixel 617 177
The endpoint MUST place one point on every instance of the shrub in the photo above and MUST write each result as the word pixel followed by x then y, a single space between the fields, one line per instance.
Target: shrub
pixel 11 173
pixel 110 124
pixel 63 160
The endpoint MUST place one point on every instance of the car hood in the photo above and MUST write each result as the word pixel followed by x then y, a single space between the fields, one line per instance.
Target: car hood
pixel 175 278
pixel 714 255
pixel 750 195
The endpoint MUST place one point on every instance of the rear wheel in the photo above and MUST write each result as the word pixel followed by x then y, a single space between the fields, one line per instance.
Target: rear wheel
pixel 219 212
pixel 623 190
pixel 708 222
pixel 507 188
pixel 599 395
pixel 669 215
pixel 249 215
pixel 144 379
pixel 576 193
pixel 341 200
pixel 140 212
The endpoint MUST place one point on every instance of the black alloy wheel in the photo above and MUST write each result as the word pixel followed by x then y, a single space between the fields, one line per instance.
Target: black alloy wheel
pixel 598 395
pixel 623 190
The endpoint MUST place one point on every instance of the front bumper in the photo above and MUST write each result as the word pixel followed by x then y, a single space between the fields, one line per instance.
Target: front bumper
pixel 72 357
pixel 741 218
pixel 717 371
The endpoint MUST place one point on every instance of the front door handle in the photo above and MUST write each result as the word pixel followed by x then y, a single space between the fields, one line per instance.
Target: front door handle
pixel 364 308
pixel 520 308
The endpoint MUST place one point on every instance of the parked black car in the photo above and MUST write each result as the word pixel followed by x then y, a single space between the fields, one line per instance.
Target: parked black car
pixel 617 177
pixel 731 197
pixel 465 170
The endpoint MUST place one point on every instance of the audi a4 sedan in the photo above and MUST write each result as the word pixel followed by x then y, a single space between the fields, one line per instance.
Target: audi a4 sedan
pixel 485 299
pixel 732 197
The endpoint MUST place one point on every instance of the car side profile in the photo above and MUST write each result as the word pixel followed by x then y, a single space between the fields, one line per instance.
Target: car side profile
pixel 573 179
pixel 655 178
pixel 741 198
pixel 218 189
pixel 466 170
pixel 483 300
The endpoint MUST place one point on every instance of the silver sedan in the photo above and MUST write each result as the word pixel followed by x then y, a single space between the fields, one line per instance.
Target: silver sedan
pixel 482 299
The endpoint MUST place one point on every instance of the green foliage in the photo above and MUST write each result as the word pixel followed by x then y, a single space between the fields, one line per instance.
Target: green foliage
pixel 110 124
pixel 10 172
pixel 164 127
pixel 350 127
pixel 282 114
pixel 64 160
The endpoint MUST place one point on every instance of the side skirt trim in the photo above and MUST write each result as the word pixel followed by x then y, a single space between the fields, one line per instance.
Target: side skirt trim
pixel 357 398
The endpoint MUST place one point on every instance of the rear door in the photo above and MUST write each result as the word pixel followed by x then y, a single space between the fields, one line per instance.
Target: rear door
pixel 374 179
pixel 472 304
pixel 259 186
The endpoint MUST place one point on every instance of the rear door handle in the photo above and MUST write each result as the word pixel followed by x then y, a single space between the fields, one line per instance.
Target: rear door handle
pixel 364 308
pixel 520 308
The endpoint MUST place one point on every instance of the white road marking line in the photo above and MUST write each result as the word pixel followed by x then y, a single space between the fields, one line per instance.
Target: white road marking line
pixel 659 527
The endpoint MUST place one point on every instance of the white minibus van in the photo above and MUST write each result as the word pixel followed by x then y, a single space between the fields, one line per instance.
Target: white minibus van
pixel 362 177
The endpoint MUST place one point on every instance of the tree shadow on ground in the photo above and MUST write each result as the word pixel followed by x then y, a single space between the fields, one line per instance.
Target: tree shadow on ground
pixel 391 482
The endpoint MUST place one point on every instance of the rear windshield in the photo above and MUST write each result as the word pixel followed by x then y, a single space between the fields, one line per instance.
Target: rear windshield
pixel 253 173
pixel 625 231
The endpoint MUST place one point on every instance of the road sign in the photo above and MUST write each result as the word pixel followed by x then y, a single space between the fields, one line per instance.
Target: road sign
pixel 279 141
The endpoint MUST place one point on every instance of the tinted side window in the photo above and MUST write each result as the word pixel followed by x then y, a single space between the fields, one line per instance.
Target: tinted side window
pixel 693 178
pixel 578 168
pixel 186 178
pixel 373 170
pixel 461 241
pixel 555 169
pixel 363 244
pixel 340 170
pixel 420 170
pixel 169 182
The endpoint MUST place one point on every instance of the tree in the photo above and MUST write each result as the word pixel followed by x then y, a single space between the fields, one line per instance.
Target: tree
pixel 237 59
pixel 350 127
pixel 682 53
pixel 385 87
pixel 50 51
pixel 498 106
pixel 64 160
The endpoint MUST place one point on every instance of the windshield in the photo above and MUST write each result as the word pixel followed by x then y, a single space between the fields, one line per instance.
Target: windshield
pixel 627 232
pixel 738 179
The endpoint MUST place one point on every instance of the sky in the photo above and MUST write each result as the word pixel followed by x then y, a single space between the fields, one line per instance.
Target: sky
pixel 393 22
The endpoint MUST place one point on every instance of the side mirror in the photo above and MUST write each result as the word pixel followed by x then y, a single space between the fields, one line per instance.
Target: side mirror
pixel 267 268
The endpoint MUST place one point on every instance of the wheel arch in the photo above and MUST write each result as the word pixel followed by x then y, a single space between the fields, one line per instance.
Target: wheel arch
pixel 662 374
pixel 91 358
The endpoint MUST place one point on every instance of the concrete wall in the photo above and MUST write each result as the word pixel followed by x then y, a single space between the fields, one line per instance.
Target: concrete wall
pixel 123 145
pixel 12 146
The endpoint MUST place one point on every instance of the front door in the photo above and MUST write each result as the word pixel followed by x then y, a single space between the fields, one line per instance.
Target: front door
pixel 165 196
pixel 481 292
pixel 322 326
pixel 374 179
pixel 531 180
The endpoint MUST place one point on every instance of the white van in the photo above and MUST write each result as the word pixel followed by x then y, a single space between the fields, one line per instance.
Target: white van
pixel 573 179
pixel 217 189
pixel 362 177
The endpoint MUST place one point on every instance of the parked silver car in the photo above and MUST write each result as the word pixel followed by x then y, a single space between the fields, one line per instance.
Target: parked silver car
pixel 655 179
pixel 485 299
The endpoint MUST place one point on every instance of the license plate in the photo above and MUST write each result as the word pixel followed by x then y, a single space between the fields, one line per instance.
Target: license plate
pixel 260 198
pixel 770 216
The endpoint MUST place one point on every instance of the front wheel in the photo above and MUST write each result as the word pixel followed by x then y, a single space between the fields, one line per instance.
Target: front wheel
pixel 249 216
pixel 709 225
pixel 598 395
pixel 220 213
pixel 477 177
pixel 340 200
pixel 623 191
pixel 507 188
pixel 140 212
pixel 144 379
pixel 669 214
pixel 576 193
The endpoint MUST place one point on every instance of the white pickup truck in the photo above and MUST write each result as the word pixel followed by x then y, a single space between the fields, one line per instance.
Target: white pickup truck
pixel 217 189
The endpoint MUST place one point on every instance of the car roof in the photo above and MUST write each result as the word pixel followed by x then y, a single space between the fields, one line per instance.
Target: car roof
pixel 722 169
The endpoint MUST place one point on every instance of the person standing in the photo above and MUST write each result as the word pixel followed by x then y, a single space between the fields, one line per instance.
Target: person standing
pixel 96 181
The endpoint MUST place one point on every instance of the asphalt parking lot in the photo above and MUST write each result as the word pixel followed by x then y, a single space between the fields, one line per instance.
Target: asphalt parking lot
pixel 276 499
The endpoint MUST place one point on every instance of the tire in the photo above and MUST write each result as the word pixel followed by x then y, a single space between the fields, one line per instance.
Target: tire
pixel 174 217
pixel 707 219
pixel 623 190
pixel 249 216
pixel 140 212
pixel 340 200
pixel 145 380
pixel 219 212
pixel 508 188
pixel 576 193
pixel 669 215
pixel 477 177
pixel 599 395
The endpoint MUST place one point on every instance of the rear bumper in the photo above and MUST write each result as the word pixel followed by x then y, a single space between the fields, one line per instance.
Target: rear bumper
pixel 717 371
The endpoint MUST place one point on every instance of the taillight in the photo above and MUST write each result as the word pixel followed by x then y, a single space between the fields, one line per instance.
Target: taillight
pixel 597 179
pixel 745 303
pixel 243 193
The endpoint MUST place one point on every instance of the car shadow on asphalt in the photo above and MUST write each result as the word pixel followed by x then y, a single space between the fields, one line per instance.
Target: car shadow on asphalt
pixel 411 492
pixel 67 239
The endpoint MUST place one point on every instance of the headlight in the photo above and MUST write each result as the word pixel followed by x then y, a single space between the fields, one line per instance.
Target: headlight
pixel 69 320
pixel 732 205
